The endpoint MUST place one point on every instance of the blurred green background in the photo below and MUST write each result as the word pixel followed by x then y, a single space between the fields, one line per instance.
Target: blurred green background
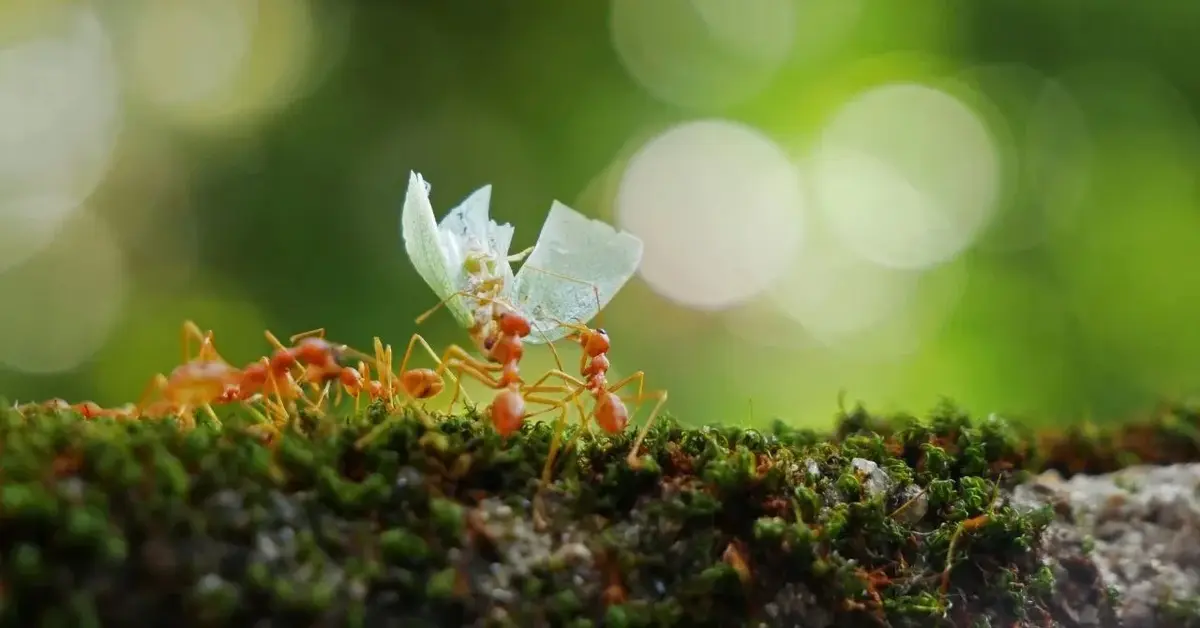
pixel 994 201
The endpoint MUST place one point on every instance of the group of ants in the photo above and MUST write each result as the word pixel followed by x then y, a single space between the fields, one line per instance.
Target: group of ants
pixel 306 372
pixel 278 382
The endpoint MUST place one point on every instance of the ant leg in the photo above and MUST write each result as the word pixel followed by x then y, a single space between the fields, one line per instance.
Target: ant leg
pixel 188 331
pixel 462 367
pixel 279 405
pixel 185 416
pixel 633 459
pixel 273 340
pixel 382 366
pixel 459 356
pixel 321 400
pixel 318 332
pixel 476 372
pixel 567 378
pixel 208 350
pixel 551 405
pixel 558 365
pixel 583 357
pixel 212 414
pixel 391 379
pixel 559 426
pixel 433 354
pixel 364 372
pixel 640 377
pixel 441 370
pixel 427 313
pixel 279 346
pixel 157 385
pixel 539 520
pixel 388 378
pixel 302 372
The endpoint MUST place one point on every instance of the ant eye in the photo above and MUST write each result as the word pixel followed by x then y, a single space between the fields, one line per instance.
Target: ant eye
pixel 489 343
pixel 601 332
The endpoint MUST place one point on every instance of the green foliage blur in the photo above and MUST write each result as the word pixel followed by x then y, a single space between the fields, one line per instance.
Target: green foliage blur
pixel 267 195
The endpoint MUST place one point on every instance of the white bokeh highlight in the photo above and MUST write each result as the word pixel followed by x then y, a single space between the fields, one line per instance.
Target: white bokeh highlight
pixel 61 305
pixel 835 295
pixel 703 53
pixel 1045 153
pixel 186 53
pixel 906 176
pixel 59 121
pixel 720 208
pixel 220 64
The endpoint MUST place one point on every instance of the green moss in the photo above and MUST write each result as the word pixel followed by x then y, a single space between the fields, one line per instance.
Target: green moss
pixel 884 520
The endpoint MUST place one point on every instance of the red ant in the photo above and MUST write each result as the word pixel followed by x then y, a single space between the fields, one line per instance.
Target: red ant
pixel 504 350
pixel 498 332
pixel 412 384
pixel 198 382
pixel 268 380
pixel 485 331
pixel 321 363
pixel 318 362
pixel 86 409
pixel 608 408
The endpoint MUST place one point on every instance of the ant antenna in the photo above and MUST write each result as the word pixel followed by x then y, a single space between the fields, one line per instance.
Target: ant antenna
pixel 459 293
pixel 430 311
pixel 595 293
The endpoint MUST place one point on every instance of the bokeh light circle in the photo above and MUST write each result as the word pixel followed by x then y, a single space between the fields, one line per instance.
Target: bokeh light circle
pixel 220 63
pixel 702 53
pixel 719 206
pixel 1045 151
pixel 184 53
pixel 61 305
pixel 906 175
pixel 59 120
pixel 834 294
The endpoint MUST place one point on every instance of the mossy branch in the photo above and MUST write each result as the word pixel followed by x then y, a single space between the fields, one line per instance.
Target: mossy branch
pixel 883 522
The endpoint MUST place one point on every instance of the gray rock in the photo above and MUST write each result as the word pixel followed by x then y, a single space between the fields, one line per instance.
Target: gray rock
pixel 875 480
pixel 524 550
pixel 1122 544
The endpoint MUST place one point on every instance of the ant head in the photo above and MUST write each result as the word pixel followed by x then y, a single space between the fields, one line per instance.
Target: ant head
pixel 513 324
pixel 283 358
pixel 318 351
pixel 257 367
pixel 595 342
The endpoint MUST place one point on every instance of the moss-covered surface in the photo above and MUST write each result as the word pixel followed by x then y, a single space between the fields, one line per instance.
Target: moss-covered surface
pixel 893 522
